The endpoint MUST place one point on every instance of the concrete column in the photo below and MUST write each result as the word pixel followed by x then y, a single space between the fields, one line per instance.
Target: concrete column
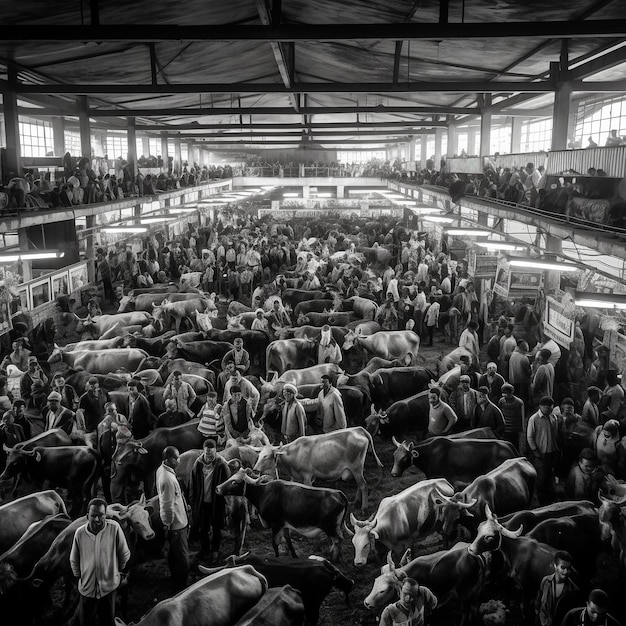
pixel 11 126
pixel 145 146
pixel 552 278
pixel 471 140
pixel 306 192
pixel 90 252
pixel 164 154
pixel 178 167
pixel 516 135
pixel 58 135
pixel 131 133
pixel 485 127
pixel 27 270
pixel 82 104
pixel 340 191
pixel 452 141
pixel 424 155
pixel 561 110
pixel 438 138
pixel 411 149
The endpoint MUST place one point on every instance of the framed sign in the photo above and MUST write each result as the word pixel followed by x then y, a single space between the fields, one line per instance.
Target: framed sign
pixel 24 294
pixel 60 285
pixel 5 318
pixel 556 325
pixel 503 279
pixel 40 292
pixel 77 277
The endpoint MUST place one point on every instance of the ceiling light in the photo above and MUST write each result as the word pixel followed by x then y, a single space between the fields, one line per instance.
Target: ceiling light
pixel 366 191
pixel 425 210
pixel 472 232
pixel 600 300
pixel 156 220
pixel 291 195
pixel 543 265
pixel 125 229
pixel 499 245
pixel 9 258
pixel 438 218
pixel 31 255
pixel 325 195
pixel 182 209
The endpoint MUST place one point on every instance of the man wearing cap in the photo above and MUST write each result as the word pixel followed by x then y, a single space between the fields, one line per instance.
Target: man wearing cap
pixel 19 410
pixel 91 406
pixel 248 391
pixel 237 414
pixel 493 381
pixel 207 506
pixel 58 416
pixel 32 374
pixel 293 415
pixel 171 416
pixel 328 350
pixel 260 323
pixel 514 413
pixel 519 373
pixel 69 397
pixel 542 435
pixel 140 417
pixel 240 356
pixel 463 401
pixel 330 412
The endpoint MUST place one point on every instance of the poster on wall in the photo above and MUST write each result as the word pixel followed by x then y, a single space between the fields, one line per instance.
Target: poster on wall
pixel 78 277
pixel 5 318
pixel 481 265
pixel 503 278
pixel 526 280
pixel 556 325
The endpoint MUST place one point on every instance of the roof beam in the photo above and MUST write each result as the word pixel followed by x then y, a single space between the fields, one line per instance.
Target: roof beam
pixel 605 62
pixel 396 62
pixel 296 132
pixel 320 32
pixel 293 126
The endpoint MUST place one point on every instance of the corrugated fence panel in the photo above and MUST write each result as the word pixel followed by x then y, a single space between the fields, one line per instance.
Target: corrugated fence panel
pixel 468 165
pixel 611 160
pixel 518 160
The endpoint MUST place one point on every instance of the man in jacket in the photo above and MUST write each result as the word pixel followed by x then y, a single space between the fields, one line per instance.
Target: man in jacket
pixel 464 401
pixel 331 412
pixel 91 405
pixel 140 418
pixel 99 553
pixel 240 356
pixel 173 514
pixel 248 391
pixel 208 507
pixel 180 391
pixel 58 416
pixel 557 592
pixel 293 416
pixel 488 415
pixel 237 414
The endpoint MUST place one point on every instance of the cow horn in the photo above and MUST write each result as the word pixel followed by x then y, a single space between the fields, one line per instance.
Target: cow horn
pixel 442 496
pixel 210 570
pixel 467 505
pixel 396 442
pixel 6 448
pixel 355 522
pixel 392 565
pixel 511 534
pixel 406 557
pixel 349 532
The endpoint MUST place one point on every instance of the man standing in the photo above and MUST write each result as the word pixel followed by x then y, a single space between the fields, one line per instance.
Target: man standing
pixel 180 391
pixel 58 416
pixel 207 507
pixel 543 380
pixel 493 381
pixel 415 601
pixel 441 417
pixel 237 415
pixel 172 416
pixel 69 397
pixel 248 390
pixel 557 592
pixel 173 513
pixel 519 370
pixel 514 413
pixel 104 276
pixel 293 416
pixel 542 436
pixel 331 412
pixel 240 356
pixel 99 552
pixel 32 374
pixel 140 418
pixel 488 415
pixel 469 341
pixel 463 401
pixel 594 612
pixel 91 406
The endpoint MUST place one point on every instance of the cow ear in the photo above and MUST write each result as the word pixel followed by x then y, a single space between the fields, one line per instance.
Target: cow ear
pixel 392 565
pixel 263 381
pixel 374 534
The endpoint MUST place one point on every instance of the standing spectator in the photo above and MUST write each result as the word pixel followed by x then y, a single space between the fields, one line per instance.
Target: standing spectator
pixel 416 601
pixel 207 506
pixel 608 446
pixel 469 341
pixel 590 415
pixel 91 407
pixel 58 416
pixel 463 401
pixel 237 415
pixel 19 410
pixel 99 553
pixel 240 356
pixel 104 276
pixel 18 357
pixel 431 318
pixel 181 392
pixel 140 418
pixel 519 374
pixel 514 413
pixel 260 323
pixel 171 416
pixel 173 514
pixel 613 139
pixel 69 397
pixel 387 315
pixel 279 318
pixel 613 397
pixel 508 343
pixel 292 414
pixel 584 479
pixel 493 381
pixel 543 440
pixel 211 424
pixel 10 434
pixel 542 384
pixel 328 350
pixel 441 417
pixel 488 415
pixel 331 412
pixel 248 391
pixel 596 611
pixel 557 592
pixel 32 374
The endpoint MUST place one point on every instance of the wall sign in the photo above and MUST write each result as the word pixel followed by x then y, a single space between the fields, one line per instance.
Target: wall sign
pixel 556 325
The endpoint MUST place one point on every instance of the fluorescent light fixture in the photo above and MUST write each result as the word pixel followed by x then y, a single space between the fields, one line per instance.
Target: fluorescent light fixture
pixel 543 265
pixel 425 210
pixel 438 218
pixel 125 229
pixel 9 258
pixel 599 304
pixel 268 187
pixel 366 191
pixel 472 232
pixel 405 202
pixel 182 209
pixel 30 255
pixel 156 220
pixel 499 245
pixel 325 195
pixel 290 194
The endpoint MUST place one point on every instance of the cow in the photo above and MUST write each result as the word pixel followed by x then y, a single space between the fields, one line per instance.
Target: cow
pixel 455 574
pixel 78 380
pixel 278 606
pixel 290 354
pixel 314 306
pixel 285 506
pixel 304 376
pixel 331 456
pixel 400 520
pixel 101 361
pixel 75 468
pixel 203 352
pixel 398 383
pixel 18 515
pixel 135 461
pixel 531 518
pixel 154 347
pixel 314 578
pixel 254 341
pixel 507 488
pixel 100 325
pixel 291 297
pixel 173 313
pixel 456 460
pixel 332 318
pixel 390 344
pixel 364 307
pixel 220 599
pixel 409 414
pixel 145 301
pixel 613 526
pixel 95 344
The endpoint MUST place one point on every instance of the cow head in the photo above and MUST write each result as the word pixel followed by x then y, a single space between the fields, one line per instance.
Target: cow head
pixel 349 340
pixel 450 511
pixel 610 515
pixel 386 587
pixel 17 461
pixel 404 455
pixel 490 533
pixel 125 302
pixel 236 484
pixel 57 354
pixel 363 538
pixel 339 579
pixel 136 514
pixel 126 455
pixel 267 461
pixel 203 320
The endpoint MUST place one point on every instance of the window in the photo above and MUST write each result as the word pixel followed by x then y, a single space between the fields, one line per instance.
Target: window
pixel 500 139
pixel 596 118
pixel 462 140
pixel 117 146
pixel 155 146
pixel 35 137
pixel 72 142
pixel 536 135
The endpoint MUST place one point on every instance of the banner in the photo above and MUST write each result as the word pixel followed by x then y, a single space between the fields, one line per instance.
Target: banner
pixel 556 325
pixel 482 265
pixel 503 279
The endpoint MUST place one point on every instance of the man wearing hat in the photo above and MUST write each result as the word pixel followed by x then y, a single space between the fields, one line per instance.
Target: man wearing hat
pixel 293 415
pixel 248 391
pixel 331 412
pixel 10 434
pixel 238 355
pixel 542 435
pixel 69 397
pixel 260 323
pixel 464 401
pixel 32 374
pixel 328 350
pixel 57 415
pixel 493 381
pixel 237 414
pixel 37 401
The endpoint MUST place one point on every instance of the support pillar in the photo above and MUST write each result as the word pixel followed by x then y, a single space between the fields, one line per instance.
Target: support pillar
pixel 131 132
pixel 90 252
pixel 82 104
pixel 12 128
pixel 27 270
pixel 552 278
pixel 58 135
pixel 164 151
pixel 471 140
pixel 341 191
pixel 485 126
pixel 516 135
pixel 145 147
pixel 411 149
pixel 178 161
pixel 561 109
pixel 452 141
pixel 306 192
pixel 438 139
pixel 423 154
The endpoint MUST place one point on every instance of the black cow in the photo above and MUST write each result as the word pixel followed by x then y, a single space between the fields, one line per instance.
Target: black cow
pixel 254 341
pixel 154 347
pixel 456 460
pixel 283 505
pixel 291 297
pixel 203 351
pixel 277 606
pixel 78 380
pixel 408 415
pixel 312 306
pixel 531 518
pixel 313 577
pixel 75 468
pixel 398 383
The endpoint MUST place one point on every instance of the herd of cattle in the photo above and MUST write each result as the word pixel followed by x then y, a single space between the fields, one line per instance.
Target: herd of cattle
pixel 470 477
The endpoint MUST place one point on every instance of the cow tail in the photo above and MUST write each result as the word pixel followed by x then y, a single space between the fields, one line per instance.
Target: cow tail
pixel 371 444
pixel 96 475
